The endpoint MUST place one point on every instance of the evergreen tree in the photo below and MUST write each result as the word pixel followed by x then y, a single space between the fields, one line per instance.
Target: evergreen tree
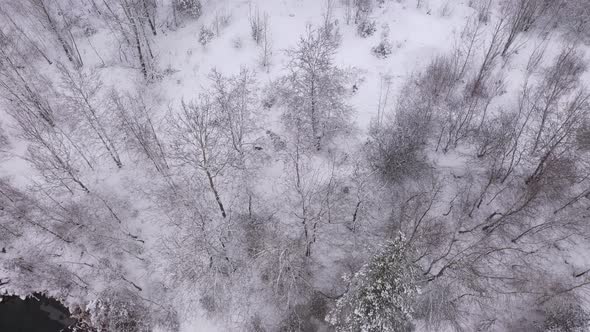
pixel 380 296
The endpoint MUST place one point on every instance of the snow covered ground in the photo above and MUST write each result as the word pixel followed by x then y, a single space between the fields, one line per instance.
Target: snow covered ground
pixel 305 218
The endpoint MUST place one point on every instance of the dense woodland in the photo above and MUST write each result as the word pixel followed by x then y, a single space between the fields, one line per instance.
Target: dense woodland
pixel 254 200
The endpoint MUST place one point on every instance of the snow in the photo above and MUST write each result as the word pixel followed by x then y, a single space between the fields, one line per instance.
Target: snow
pixel 418 35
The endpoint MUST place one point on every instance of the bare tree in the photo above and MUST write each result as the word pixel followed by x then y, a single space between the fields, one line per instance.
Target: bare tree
pixel 462 108
pixel 235 98
pixel 314 93
pixel 50 152
pixel 266 48
pixel 21 89
pixel 329 24
pixel 129 19
pixel 20 31
pixel 498 214
pixel 83 95
pixel 51 16
pixel 19 214
pixel 466 47
pixel 384 90
pixel 138 124
pixel 560 79
pixel 149 13
pixel 491 53
pixel 257 24
pixel 199 141
pixel 17 87
pixel 348 10
pixel 560 135
pixel 312 190
pixel 142 44
pixel 522 15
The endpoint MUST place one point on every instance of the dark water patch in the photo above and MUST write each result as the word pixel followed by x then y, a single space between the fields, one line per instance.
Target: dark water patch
pixel 33 314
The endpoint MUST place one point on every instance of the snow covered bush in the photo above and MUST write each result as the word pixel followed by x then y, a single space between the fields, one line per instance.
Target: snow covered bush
pixel 122 310
pixel 237 43
pixel 190 8
pixel 366 28
pixel 394 154
pixel 396 145
pixel 380 297
pixel 383 49
pixel 205 35
pixel 119 310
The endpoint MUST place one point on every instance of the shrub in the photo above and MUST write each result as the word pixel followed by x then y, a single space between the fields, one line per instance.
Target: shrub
pixel 237 43
pixel 89 30
pixel 396 147
pixel 121 311
pixel 383 49
pixel 366 28
pixel 205 35
pixel 190 8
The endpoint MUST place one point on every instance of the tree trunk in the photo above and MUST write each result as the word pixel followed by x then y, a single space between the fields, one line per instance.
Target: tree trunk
pixel 60 38
pixel 217 198
pixel 149 18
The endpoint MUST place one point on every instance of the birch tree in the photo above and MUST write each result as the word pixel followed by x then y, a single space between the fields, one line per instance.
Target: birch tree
pixel 130 19
pixel 137 122
pixel 82 93
pixel 199 142
pixel 52 17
